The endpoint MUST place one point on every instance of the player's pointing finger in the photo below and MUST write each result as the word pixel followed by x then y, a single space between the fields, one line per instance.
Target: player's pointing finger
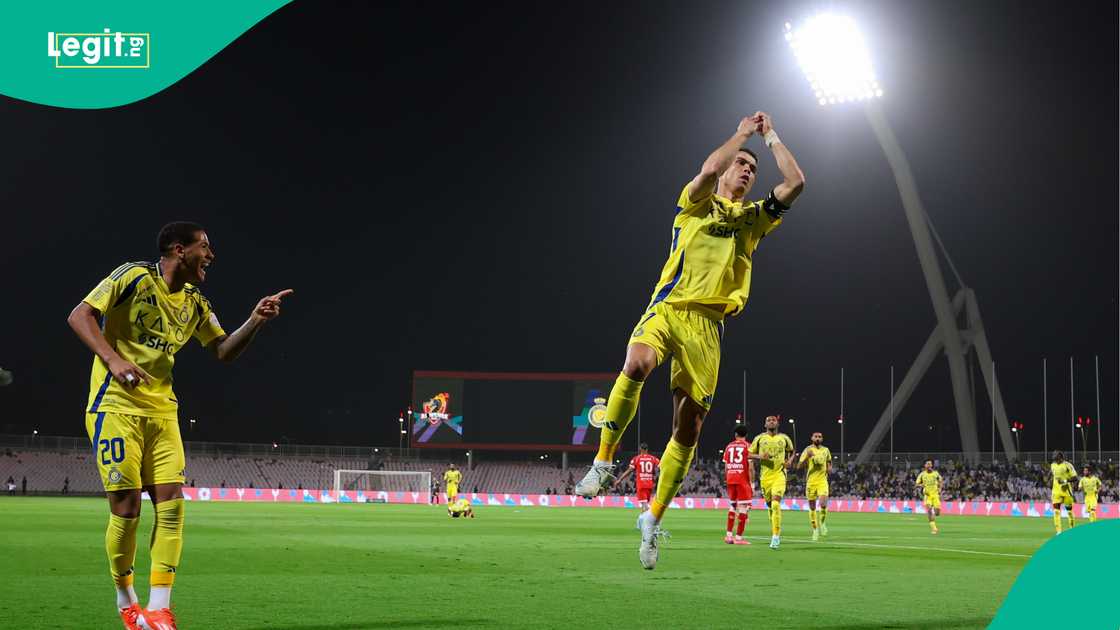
pixel 283 294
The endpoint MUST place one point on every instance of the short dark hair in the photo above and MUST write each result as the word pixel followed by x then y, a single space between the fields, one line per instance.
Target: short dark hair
pixel 644 446
pixel 1058 454
pixel 750 153
pixel 741 430
pixel 177 233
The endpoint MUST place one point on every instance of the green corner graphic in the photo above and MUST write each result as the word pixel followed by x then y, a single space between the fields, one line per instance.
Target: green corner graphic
pixel 1083 560
pixel 89 55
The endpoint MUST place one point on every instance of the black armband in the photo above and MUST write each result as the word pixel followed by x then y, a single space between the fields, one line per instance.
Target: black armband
pixel 773 207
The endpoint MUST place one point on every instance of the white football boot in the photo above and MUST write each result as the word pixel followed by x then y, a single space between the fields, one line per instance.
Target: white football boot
pixel 596 481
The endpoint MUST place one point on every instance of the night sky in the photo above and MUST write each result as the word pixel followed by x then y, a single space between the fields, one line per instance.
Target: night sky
pixel 491 186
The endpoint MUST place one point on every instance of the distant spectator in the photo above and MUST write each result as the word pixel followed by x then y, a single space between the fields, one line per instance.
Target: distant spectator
pixel 250 484
pixel 11 486
pixel 192 483
pixel 223 484
pixel 23 490
pixel 66 486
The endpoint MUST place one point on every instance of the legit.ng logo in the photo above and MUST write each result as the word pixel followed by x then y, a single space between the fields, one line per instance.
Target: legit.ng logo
pixel 106 50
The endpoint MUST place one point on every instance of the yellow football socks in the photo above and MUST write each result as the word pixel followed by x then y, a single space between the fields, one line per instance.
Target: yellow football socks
pixel 824 513
pixel 621 406
pixel 1058 520
pixel 167 542
pixel 675 462
pixel 813 518
pixel 776 516
pixel 120 543
pixel 1092 516
pixel 933 526
pixel 1069 514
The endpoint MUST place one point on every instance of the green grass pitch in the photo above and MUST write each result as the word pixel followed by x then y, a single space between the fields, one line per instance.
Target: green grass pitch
pixel 319 567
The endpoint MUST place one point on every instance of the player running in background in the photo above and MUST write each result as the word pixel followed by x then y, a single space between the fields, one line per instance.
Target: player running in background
pixel 460 508
pixel 818 459
pixel 1090 484
pixel 715 233
pixel 451 478
pixel 738 468
pixel 776 454
pixel 929 480
pixel 1061 492
pixel 643 463
pixel 135 321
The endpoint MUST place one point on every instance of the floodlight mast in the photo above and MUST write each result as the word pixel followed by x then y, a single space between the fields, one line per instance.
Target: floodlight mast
pixel 834 59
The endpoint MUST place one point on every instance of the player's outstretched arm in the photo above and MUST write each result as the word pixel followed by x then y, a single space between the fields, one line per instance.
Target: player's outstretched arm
pixel 720 160
pixel 622 477
pixel 793 180
pixel 83 321
pixel 229 347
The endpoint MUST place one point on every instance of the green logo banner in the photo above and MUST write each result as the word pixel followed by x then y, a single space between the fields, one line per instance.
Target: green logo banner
pixel 1070 582
pixel 88 55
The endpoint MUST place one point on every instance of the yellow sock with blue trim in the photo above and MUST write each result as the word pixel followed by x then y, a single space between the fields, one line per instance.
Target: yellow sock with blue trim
pixel 167 548
pixel 120 544
pixel 621 407
pixel 675 462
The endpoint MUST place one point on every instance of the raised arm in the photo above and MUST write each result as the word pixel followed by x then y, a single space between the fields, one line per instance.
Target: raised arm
pixel 622 477
pixel 793 180
pixel 720 160
pixel 83 321
pixel 229 347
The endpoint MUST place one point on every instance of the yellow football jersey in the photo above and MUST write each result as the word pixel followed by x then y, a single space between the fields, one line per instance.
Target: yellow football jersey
pixel 714 240
pixel 929 481
pixel 460 506
pixel 452 477
pixel 817 470
pixel 146 324
pixel 1089 485
pixel 774 450
pixel 1063 473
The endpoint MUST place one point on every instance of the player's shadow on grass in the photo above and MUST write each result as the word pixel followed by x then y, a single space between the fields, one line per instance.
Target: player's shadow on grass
pixel 398 623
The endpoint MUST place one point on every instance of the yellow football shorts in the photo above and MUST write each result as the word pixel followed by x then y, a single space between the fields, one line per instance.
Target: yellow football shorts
pixel 452 491
pixel 135 451
pixel 692 336
pixel 932 500
pixel 1059 494
pixel 1090 503
pixel 816 489
pixel 773 485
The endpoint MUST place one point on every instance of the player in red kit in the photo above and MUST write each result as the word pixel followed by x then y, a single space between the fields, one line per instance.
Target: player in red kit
pixel 643 463
pixel 737 464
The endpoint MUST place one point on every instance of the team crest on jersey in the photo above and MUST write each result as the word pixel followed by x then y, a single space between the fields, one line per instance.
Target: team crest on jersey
pixel 597 414
pixel 183 315
pixel 115 475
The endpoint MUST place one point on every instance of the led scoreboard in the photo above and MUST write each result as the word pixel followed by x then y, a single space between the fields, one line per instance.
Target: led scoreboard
pixel 509 410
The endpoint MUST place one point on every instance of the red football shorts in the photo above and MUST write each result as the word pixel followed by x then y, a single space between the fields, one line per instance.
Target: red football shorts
pixel 739 492
pixel 644 492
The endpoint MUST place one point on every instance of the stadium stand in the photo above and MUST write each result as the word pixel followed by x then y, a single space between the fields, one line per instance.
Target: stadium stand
pixel 47 471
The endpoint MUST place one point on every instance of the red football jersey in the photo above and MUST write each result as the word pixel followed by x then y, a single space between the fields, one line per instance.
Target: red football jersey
pixel 736 463
pixel 643 469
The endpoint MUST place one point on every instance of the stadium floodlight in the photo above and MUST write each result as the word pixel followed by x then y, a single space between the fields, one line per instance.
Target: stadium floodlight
pixel 834 58
pixel 836 62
